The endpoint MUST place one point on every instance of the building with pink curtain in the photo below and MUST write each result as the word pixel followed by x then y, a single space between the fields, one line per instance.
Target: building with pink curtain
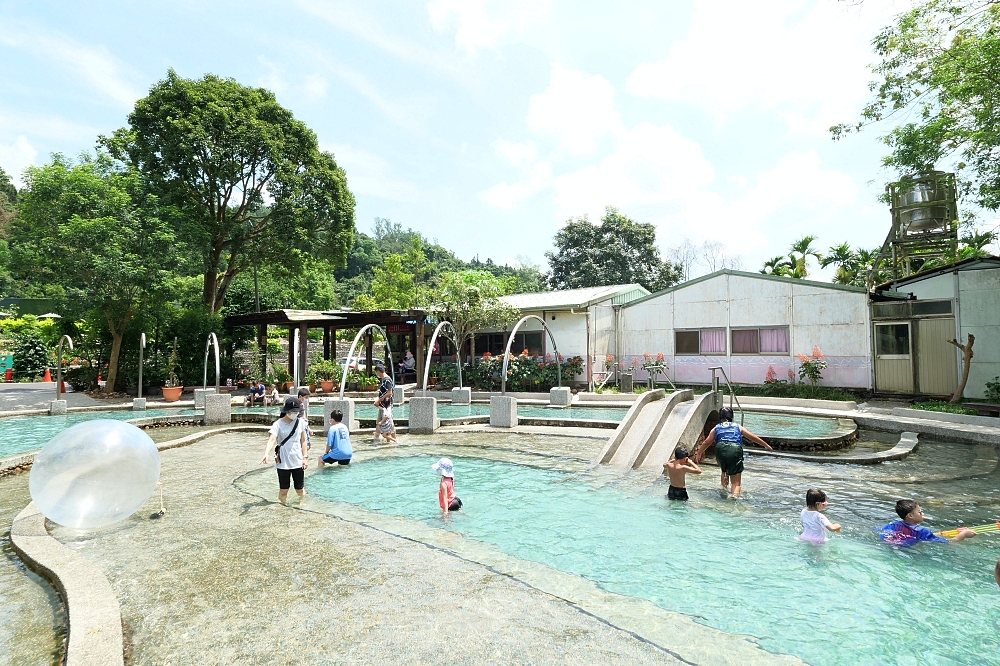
pixel 750 324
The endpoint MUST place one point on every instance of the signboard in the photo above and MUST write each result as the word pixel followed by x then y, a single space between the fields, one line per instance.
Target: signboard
pixel 398 328
pixel 6 361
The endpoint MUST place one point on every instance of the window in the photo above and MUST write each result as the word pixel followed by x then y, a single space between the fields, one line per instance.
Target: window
pixel 760 341
pixel 713 341
pixel 892 339
pixel 746 341
pixel 686 342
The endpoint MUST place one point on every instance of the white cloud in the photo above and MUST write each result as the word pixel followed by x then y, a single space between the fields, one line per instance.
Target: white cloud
pixel 506 196
pixel 94 64
pixel 16 157
pixel 53 128
pixel 479 24
pixel 516 153
pixel 315 87
pixel 369 174
pixel 575 109
pixel 806 60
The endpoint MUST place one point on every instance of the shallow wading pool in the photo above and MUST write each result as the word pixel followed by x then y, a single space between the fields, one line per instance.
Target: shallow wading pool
pixel 734 565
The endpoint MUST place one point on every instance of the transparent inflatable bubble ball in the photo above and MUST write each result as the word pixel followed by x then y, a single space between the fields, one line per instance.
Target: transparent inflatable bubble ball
pixel 95 473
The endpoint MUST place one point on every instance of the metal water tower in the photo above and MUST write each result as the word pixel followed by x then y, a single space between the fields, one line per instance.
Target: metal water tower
pixel 924 210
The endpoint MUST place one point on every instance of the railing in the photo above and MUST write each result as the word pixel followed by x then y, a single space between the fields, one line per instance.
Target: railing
pixel 732 392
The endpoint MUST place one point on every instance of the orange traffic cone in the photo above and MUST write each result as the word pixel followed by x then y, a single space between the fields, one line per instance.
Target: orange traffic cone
pixel 48 376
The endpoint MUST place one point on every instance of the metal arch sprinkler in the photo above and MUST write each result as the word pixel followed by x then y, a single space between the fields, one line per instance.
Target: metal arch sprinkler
pixel 347 361
pixel 142 345
pixel 430 346
pixel 59 364
pixel 212 341
pixel 510 341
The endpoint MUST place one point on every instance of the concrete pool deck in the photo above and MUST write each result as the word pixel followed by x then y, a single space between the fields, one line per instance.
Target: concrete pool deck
pixel 226 577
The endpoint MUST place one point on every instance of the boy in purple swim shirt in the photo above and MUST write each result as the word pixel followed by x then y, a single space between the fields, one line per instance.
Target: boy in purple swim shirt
pixel 907 531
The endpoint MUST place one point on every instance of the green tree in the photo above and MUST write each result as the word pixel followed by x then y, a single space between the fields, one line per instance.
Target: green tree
pixel 470 300
pixel 799 254
pixel 7 188
pixel 975 243
pixel 845 259
pixel 779 265
pixel 90 228
pixel 939 69
pixel 616 251
pixel 247 180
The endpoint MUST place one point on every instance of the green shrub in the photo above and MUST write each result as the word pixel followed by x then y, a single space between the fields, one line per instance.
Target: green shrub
pixel 941 406
pixel 993 390
pixel 31 356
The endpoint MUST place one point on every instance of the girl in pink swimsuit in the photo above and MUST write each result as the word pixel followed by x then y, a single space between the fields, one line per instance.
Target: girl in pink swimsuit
pixel 446 490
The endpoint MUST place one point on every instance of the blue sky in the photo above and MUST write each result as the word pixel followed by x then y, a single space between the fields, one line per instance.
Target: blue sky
pixel 486 125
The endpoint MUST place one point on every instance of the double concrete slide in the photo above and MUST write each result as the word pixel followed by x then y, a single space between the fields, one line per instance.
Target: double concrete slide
pixel 655 425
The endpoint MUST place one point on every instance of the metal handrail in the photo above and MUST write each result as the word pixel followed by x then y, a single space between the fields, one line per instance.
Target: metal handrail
pixel 732 392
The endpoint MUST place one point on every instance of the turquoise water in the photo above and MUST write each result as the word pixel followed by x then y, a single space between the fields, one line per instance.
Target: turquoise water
pixel 735 566
pixel 365 410
pixel 26 433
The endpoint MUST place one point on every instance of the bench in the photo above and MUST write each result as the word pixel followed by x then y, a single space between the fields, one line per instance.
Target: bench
pixel 983 408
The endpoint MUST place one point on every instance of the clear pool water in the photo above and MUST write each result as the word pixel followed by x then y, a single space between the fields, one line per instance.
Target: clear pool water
pixel 736 566
pixel 26 433
pixel 365 410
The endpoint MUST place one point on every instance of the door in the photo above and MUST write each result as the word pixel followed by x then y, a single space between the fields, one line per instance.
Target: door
pixel 937 361
pixel 893 360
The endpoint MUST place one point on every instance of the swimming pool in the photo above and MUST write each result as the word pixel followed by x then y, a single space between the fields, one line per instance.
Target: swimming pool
pixel 26 433
pixel 736 565
pixel 365 410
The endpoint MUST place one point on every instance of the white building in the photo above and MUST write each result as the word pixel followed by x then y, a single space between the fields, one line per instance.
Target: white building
pixel 748 323
pixel 582 321
pixel 913 318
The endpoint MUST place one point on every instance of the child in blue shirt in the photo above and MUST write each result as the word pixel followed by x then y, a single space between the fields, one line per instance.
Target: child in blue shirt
pixel 338 442
pixel 907 531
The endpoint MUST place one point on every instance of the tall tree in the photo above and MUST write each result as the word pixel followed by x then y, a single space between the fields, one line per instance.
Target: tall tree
pixel 91 228
pixel 939 70
pixel 616 251
pixel 799 254
pixel 247 180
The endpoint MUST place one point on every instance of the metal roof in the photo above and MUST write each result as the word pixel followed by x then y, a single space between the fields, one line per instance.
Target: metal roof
pixel 972 264
pixel 315 318
pixel 618 294
pixel 757 276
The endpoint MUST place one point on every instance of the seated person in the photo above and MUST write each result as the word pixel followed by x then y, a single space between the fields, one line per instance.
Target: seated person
pixel 271 398
pixel 256 394
pixel 408 364
pixel 907 531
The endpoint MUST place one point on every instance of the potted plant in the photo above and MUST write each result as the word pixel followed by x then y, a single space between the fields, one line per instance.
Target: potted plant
pixel 433 379
pixel 283 378
pixel 326 371
pixel 172 389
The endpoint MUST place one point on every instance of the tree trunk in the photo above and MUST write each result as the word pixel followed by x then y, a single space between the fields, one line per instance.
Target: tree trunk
pixel 116 348
pixel 966 361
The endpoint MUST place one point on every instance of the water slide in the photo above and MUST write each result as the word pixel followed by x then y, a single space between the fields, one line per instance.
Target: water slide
pixel 655 424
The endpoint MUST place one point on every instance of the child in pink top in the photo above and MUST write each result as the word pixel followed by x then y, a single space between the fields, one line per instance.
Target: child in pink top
pixel 446 490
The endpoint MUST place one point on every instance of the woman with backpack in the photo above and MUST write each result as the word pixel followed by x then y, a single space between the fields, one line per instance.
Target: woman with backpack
pixel 288 442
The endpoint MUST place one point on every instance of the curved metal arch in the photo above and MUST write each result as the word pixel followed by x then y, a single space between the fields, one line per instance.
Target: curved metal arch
pixel 142 345
pixel 209 343
pixel 59 363
pixel 430 347
pixel 510 341
pixel 347 361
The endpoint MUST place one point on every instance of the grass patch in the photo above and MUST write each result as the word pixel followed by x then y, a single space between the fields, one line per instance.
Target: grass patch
pixel 942 406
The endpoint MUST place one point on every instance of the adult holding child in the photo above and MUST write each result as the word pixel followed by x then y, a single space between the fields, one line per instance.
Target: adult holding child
pixel 728 439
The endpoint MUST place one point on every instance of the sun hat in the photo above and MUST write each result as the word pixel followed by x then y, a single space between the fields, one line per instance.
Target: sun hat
pixel 444 468
pixel 291 405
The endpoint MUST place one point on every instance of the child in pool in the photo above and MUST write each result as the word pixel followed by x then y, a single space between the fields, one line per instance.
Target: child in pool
pixel 907 531
pixel 676 470
pixel 446 490
pixel 814 523
pixel 728 440
pixel 338 442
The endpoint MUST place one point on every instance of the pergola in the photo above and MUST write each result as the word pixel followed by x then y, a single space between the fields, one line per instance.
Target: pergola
pixel 392 321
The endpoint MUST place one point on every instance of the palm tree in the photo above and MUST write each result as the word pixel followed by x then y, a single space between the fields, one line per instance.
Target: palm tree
pixel 777 266
pixel 846 261
pixel 974 244
pixel 799 254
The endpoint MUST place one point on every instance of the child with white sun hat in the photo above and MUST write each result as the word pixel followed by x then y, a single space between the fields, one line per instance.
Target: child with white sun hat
pixel 446 490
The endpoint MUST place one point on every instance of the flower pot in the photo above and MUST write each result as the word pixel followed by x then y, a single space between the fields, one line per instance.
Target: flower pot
pixel 327 386
pixel 288 386
pixel 432 381
pixel 172 393
pixel 312 388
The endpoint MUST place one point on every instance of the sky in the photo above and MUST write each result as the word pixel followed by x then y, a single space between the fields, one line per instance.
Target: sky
pixel 486 125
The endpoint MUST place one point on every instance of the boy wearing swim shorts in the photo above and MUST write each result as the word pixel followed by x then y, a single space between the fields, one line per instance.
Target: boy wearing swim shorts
pixel 676 470
pixel 728 440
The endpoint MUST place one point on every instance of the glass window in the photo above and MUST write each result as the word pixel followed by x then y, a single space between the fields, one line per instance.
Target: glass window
pixel 713 341
pixel 530 341
pixel 746 341
pixel 774 341
pixel 892 339
pixel 686 342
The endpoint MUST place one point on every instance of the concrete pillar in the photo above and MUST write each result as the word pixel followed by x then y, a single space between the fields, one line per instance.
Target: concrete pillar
pixel 461 396
pixel 57 408
pixel 218 408
pixel 397 395
pixel 199 396
pixel 626 381
pixel 423 416
pixel 560 396
pixel 138 404
pixel 503 411
pixel 346 406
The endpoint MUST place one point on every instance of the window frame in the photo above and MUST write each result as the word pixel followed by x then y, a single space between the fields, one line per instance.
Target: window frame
pixel 909 341
pixel 725 338
pixel 788 338
pixel 697 332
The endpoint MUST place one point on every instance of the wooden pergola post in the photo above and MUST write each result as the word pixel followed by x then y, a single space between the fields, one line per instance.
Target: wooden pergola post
pixel 326 343
pixel 262 348
pixel 417 347
pixel 291 351
pixel 369 369
pixel 303 352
